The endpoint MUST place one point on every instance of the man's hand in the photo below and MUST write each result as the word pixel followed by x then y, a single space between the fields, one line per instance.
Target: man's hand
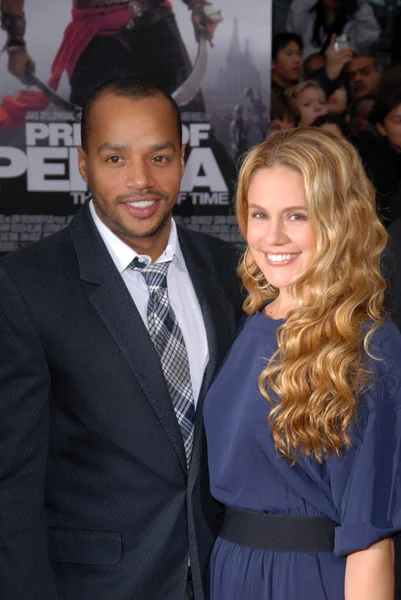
pixel 336 61
pixel 205 19
pixel 19 62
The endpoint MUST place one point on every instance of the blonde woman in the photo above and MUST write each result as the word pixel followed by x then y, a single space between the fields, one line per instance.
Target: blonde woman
pixel 303 422
pixel 307 101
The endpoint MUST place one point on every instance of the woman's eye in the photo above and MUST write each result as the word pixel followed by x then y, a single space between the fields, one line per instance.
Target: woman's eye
pixel 298 217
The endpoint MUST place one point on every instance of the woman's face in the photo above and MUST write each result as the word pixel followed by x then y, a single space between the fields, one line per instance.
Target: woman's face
pixel 279 232
pixel 311 104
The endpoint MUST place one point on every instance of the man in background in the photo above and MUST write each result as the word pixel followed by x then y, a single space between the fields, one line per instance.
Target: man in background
pixel 363 76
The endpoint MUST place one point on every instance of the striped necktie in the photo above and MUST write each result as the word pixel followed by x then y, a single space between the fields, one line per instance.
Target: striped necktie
pixel 168 340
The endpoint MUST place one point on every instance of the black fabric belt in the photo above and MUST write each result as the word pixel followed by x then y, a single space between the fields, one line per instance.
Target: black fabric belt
pixel 278 533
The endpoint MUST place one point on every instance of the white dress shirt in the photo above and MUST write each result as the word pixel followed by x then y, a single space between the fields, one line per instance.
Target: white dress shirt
pixel 180 291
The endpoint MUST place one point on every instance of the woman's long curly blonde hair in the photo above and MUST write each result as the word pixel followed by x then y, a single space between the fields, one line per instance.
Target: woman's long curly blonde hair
pixel 318 370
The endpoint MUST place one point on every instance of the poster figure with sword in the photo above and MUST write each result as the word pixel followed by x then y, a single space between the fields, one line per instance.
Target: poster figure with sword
pixel 205 53
pixel 108 39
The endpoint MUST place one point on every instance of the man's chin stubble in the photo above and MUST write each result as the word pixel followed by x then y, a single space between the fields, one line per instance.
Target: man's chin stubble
pixel 133 235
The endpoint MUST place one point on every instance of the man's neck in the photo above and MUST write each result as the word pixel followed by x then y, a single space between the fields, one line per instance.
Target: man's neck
pixel 281 82
pixel 152 246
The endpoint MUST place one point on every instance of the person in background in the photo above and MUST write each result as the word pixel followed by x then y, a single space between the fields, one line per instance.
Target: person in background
pixel 363 75
pixel 106 39
pixel 381 154
pixel 286 61
pixel 281 115
pixel 333 123
pixel 316 22
pixel 307 101
pixel 313 65
pixel 111 332
pixel 328 71
pixel 359 113
pixel 337 102
pixel 287 51
pixel 303 422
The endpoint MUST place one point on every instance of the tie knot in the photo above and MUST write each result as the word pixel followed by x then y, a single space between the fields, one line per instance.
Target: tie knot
pixel 155 275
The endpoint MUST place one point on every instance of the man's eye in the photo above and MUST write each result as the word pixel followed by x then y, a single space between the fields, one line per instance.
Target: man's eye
pixel 160 159
pixel 113 159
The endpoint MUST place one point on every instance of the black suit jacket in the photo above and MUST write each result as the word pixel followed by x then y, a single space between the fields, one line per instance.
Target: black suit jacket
pixel 95 502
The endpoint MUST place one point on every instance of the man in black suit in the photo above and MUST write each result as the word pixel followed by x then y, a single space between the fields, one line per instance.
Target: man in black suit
pixel 104 487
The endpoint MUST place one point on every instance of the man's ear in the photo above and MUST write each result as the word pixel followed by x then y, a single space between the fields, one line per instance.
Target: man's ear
pixel 381 129
pixel 182 158
pixel 82 163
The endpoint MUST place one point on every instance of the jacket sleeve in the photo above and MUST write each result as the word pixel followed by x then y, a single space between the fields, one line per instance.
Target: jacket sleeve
pixel 25 570
pixel 299 15
pixel 363 29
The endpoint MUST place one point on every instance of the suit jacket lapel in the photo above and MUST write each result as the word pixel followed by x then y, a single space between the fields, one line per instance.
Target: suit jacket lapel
pixel 220 323
pixel 113 303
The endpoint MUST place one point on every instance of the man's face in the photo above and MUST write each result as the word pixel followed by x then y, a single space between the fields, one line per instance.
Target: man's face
pixel 363 76
pixel 287 66
pixel 133 164
pixel 391 128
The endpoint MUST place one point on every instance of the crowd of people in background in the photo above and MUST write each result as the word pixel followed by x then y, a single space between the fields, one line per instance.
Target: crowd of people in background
pixel 325 74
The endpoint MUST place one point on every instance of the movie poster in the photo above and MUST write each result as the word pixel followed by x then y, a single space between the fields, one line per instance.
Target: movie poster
pixel 224 102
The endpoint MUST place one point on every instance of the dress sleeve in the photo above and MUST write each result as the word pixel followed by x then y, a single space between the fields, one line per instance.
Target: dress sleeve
pixel 366 480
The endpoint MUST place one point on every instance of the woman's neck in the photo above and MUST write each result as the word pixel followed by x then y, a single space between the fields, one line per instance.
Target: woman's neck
pixel 280 306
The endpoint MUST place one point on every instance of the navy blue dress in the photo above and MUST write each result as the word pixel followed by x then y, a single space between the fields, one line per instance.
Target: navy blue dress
pixel 361 489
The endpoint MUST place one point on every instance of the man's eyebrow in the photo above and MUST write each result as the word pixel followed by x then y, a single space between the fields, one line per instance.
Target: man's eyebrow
pixel 167 145
pixel 116 147
pixel 112 146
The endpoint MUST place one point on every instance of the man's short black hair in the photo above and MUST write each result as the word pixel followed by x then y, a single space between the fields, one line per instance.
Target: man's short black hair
pixel 386 100
pixel 281 40
pixel 125 87
pixel 370 55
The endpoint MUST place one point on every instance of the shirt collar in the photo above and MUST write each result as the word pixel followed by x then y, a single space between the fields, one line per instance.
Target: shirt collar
pixel 123 255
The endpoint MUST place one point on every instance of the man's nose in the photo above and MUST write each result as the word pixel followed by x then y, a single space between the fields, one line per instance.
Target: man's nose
pixel 139 175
